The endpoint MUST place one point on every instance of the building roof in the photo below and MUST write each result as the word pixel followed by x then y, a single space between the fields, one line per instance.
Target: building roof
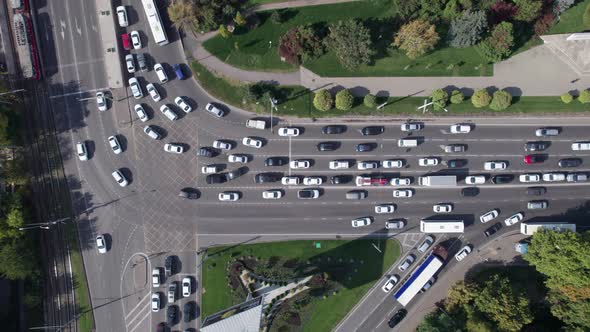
pixel 243 317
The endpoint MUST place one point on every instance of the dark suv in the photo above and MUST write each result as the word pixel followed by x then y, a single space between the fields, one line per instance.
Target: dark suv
pixel 365 147
pixel 328 146
pixel 216 178
pixel 397 317
pixel 171 314
pixel 334 129
pixel 490 231
pixel 535 146
pixel 536 191
pixel 236 173
pixel 570 162
pixel 267 177
pixel 502 178
pixel 275 161
pixel 206 152
pixel 372 130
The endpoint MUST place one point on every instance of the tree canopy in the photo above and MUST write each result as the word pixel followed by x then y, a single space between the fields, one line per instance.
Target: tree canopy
pixel 468 29
pixel 416 38
pixel 351 41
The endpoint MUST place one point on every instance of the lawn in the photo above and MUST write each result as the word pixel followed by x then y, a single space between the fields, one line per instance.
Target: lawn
pixel 83 305
pixel 251 50
pixel 327 312
pixel 571 19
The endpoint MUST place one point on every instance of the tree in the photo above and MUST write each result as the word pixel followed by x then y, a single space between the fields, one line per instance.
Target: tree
pixel 584 96
pixel 501 100
pixel 457 97
pixel 499 44
pixel 543 24
pixel 416 38
pixel 460 295
pixel 344 100
pixel 502 11
pixel 560 6
pixel 301 43
pixel 440 99
pixel 239 19
pixel 370 101
pixel 351 41
pixel 407 9
pixel 277 17
pixel 572 313
pixel 528 10
pixel 567 98
pixel 323 100
pixel 467 29
pixel 17 261
pixel 481 98
pixel 224 32
pixel 436 322
pixel 182 15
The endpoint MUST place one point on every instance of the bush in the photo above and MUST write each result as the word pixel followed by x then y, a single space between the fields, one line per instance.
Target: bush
pixel 501 100
pixel 586 17
pixel 370 101
pixel 457 97
pixel 528 10
pixel 224 32
pixel 567 98
pixel 239 19
pixel 407 9
pixel 323 100
pixel 481 98
pixel 543 24
pixel 584 97
pixel 502 11
pixel 277 17
pixel 468 29
pixel 344 100
pixel 499 44
pixel 440 98
pixel 301 43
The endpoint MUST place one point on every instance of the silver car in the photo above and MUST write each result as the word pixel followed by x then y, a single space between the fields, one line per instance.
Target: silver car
pixel 407 262
pixel 135 88
pixel 141 113
pixel 214 110
pixel 114 144
pixel 168 112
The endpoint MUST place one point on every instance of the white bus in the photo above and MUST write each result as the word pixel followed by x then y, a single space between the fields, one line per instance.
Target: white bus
pixel 153 17
pixel 442 226
pixel 529 228
pixel 418 279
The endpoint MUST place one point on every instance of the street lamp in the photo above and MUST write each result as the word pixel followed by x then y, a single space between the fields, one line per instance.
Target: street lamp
pixel 273 106
pixel 43 225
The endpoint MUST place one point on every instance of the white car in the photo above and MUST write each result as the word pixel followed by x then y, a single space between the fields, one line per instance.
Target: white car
pixel 114 143
pixel 407 262
pixel 290 180
pixel 161 73
pixel 394 163
pixel 101 101
pixel 141 113
pixel 578 146
pixel 272 194
pixel 173 148
pixel 430 161
pixel 183 105
pixel 229 196
pixel 289 131
pixel 442 208
pixel 403 193
pixel 400 181
pixel 81 151
pixel 363 165
pixel 130 63
pixel 384 208
pixel 411 126
pixel 135 39
pixel 214 110
pixel 223 145
pixel 495 165
pixel 488 216
pixel 101 244
pixel 463 253
pixel 339 164
pixel 238 158
pixel 155 302
pixel 299 164
pixel 122 16
pixel 514 219
pixel 460 129
pixel 148 130
pixel 312 181
pixel 156 275
pixel 120 178
pixel 554 177
pixel 252 142
pixel 388 286
pixel 210 169
pixel 526 178
pixel 151 89
pixel 542 132
pixel 186 287
pixel 361 222
pixel 135 88
pixel 168 112
pixel 475 179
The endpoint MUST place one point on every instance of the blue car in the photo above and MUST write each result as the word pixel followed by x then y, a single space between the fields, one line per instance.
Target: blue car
pixel 178 72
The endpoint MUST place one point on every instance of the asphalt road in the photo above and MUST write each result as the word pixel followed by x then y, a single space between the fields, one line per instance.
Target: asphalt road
pixel 147 220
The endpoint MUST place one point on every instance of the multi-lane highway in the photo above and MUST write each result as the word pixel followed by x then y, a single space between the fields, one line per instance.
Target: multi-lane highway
pixel 147 221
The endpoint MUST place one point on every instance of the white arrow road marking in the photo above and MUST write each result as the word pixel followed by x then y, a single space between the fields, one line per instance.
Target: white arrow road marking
pixel 63 29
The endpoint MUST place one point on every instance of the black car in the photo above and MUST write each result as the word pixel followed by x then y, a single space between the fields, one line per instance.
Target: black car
pixel 328 146
pixel 267 177
pixel 333 129
pixel 365 147
pixel 372 130
pixel 169 266
pixel 216 178
pixel 490 231
pixel 340 179
pixel 206 152
pixel 275 161
pixel 470 192
pixel 502 178
pixel 397 317
pixel 187 312
pixel 456 163
pixel 189 193
pixel 171 313
pixel 536 146
pixel 236 173
pixel 570 162
pixel 536 191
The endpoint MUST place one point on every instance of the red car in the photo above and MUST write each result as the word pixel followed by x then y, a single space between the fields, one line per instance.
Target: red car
pixel 126 41
pixel 532 159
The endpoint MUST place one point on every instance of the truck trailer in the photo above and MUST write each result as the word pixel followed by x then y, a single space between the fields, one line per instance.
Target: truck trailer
pixel 438 180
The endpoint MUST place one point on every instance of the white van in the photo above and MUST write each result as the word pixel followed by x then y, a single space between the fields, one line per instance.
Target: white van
pixel 578 146
pixel 407 142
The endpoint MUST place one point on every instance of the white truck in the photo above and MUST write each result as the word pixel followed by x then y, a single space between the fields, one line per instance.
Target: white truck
pixel 256 124
pixel 438 180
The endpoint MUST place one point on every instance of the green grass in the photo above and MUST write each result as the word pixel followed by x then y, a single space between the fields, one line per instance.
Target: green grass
pixel 326 313
pixel 252 3
pixel 84 307
pixel 571 20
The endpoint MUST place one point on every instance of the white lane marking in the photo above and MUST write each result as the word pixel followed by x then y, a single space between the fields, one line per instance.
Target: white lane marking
pixel 367 234
pixel 62 24
pixel 137 306
pixel 78 92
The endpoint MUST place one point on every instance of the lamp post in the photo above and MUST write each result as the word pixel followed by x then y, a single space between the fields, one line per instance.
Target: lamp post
pixel 273 106
pixel 43 225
